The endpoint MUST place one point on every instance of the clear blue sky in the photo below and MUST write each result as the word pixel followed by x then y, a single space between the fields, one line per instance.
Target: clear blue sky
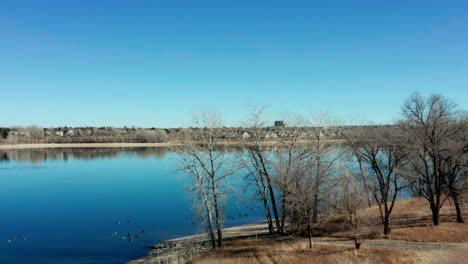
pixel 151 63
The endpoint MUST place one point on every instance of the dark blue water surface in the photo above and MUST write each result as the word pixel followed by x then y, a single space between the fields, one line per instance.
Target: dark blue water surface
pixel 62 205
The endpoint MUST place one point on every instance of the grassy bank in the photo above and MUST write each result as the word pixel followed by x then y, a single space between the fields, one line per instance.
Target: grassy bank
pixel 413 240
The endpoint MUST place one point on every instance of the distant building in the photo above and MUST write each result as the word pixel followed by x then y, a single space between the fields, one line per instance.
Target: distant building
pixel 280 124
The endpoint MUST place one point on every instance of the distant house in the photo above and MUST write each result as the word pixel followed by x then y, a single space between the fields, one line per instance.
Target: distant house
pixel 280 124
pixel 59 133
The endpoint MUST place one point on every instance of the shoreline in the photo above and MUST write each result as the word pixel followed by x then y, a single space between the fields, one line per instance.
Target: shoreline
pixel 194 245
pixel 132 145
pixel 86 145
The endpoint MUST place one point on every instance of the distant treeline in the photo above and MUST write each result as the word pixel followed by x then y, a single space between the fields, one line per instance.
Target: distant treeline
pixel 35 134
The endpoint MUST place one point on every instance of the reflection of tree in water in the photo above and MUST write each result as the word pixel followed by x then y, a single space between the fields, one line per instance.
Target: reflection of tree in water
pixel 4 157
pixel 40 155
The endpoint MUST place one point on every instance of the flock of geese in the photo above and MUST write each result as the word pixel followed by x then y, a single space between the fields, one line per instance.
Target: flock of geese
pixel 130 237
pixel 20 238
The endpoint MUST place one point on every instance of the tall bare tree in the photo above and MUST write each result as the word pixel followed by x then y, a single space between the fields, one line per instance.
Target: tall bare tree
pixel 455 165
pixel 300 197
pixel 259 164
pixel 301 187
pixel 381 155
pixel 324 153
pixel 290 160
pixel 205 158
pixel 189 163
pixel 433 126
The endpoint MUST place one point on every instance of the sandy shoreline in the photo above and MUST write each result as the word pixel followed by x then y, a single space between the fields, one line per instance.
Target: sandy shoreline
pixel 86 145
pixel 165 251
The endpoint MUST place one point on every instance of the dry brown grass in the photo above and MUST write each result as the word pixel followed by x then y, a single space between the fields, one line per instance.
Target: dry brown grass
pixel 413 212
pixel 252 251
pixel 445 232
pixel 411 221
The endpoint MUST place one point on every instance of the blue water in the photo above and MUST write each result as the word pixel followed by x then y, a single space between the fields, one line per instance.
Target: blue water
pixel 61 206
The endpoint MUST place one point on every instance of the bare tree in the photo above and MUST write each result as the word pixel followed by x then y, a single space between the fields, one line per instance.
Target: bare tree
pixel 324 153
pixel 203 202
pixel 300 198
pixel 206 159
pixel 258 163
pixel 349 205
pixel 455 165
pixel 290 161
pixel 300 202
pixel 257 179
pixel 431 124
pixel 381 155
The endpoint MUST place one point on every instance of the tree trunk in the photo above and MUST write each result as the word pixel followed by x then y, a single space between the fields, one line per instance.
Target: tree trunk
pixel 208 214
pixel 315 210
pixel 263 192
pixel 317 185
pixel 283 213
pixel 357 243
pixel 217 215
pixel 386 224
pixel 268 215
pixel 435 214
pixel 273 203
pixel 457 207
pixel 212 233
pixel 272 193
pixel 309 230
pixel 210 218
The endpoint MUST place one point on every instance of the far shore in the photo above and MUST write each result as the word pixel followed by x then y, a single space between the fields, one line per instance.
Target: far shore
pixel 87 145
pixel 130 145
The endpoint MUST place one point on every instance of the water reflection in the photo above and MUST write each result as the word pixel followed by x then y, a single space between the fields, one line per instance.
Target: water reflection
pixel 41 155
pixel 75 205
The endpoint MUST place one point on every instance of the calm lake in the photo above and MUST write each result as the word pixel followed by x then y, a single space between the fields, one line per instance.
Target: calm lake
pixel 79 205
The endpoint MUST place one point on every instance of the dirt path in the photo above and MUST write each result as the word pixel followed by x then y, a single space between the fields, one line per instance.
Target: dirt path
pixel 456 256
